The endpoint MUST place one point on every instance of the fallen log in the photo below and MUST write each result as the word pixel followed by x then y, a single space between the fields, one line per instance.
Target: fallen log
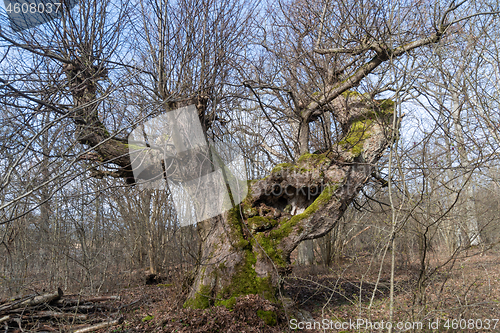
pixel 100 325
pixel 37 311
pixel 16 298
pixel 82 300
pixel 102 298
pixel 32 301
pixel 39 299
pixel 57 315
pixel 87 308
pixel 8 305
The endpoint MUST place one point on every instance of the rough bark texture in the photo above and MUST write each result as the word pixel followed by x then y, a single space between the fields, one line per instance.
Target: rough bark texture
pixel 108 148
pixel 82 78
pixel 247 249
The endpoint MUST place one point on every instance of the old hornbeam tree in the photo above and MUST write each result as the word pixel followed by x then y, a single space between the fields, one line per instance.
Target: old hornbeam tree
pixel 247 249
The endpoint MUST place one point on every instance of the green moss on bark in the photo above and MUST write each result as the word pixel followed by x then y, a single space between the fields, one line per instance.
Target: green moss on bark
pixel 360 129
pixel 352 93
pixel 261 223
pixel 270 245
pixel 246 204
pixel 282 166
pixel 358 133
pixel 313 159
pixel 386 106
pixel 234 219
pixel 320 201
pixel 201 300
pixel 134 146
pixel 289 167
pixel 228 303
pixel 245 281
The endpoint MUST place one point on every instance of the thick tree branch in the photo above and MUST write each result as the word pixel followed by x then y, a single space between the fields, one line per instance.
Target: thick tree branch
pixel 307 199
pixel 383 53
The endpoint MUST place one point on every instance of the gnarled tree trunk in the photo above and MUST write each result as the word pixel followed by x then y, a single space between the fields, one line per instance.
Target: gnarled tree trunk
pixel 247 249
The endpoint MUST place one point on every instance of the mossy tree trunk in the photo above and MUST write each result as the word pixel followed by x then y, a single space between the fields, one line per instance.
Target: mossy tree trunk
pixel 247 249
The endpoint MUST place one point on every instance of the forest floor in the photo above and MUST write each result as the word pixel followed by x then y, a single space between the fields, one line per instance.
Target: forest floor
pixel 460 291
pixel 462 295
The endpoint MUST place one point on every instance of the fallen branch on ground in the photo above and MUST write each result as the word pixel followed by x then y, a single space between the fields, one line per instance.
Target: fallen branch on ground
pixel 40 312
pixel 100 325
